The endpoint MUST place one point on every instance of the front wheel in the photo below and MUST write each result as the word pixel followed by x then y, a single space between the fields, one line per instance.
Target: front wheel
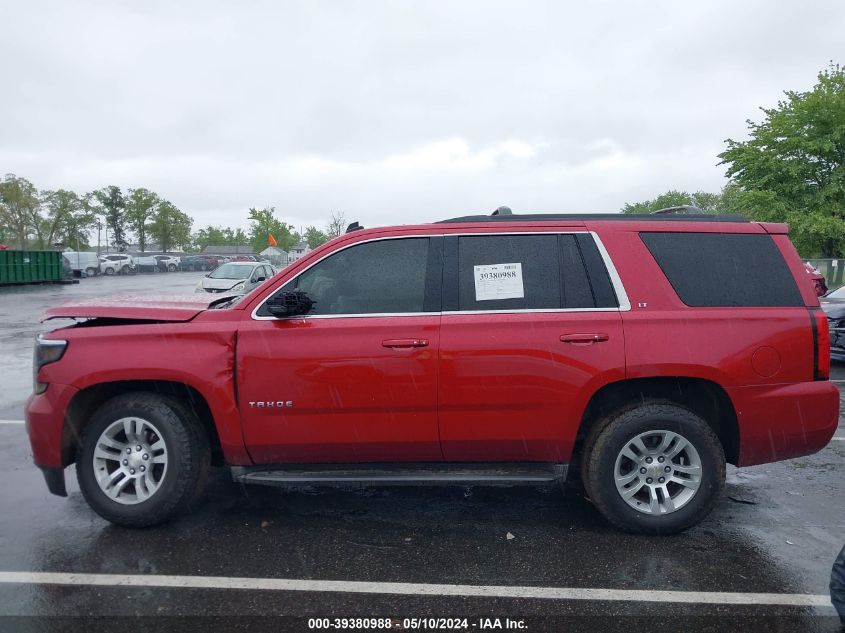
pixel 141 459
pixel 655 469
pixel 90 272
pixel 171 268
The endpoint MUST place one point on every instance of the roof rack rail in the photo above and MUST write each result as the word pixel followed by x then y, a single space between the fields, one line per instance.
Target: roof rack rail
pixel 614 217
pixel 684 209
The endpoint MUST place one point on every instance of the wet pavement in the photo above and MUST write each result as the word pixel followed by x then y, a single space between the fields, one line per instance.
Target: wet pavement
pixel 777 530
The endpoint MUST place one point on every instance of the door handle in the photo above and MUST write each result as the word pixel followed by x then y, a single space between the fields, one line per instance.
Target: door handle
pixel 403 343
pixel 583 339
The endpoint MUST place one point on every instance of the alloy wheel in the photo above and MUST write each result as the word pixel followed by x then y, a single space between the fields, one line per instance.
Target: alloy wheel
pixel 130 460
pixel 658 472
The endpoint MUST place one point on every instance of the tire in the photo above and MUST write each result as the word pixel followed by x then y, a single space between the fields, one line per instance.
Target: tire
pixel 109 271
pixel 171 268
pixel 168 426
pixel 608 454
pixel 90 272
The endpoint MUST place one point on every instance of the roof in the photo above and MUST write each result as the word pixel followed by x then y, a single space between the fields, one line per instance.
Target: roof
pixel 300 246
pixel 629 217
pixel 229 249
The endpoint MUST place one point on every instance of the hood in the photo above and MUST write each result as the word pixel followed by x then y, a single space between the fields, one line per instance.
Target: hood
pixel 220 284
pixel 142 307
pixel 833 308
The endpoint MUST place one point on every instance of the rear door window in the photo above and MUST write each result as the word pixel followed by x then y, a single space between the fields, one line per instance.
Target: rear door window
pixel 527 272
pixel 724 270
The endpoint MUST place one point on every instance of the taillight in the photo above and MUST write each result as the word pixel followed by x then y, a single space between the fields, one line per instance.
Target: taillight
pixel 821 342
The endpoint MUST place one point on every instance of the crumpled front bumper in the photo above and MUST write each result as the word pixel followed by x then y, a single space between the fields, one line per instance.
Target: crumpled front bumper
pixel 45 424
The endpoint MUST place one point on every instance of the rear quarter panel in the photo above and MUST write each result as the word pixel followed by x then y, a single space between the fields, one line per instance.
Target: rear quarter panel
pixel 762 357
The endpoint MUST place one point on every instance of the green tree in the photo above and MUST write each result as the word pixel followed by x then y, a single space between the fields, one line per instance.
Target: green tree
pixel 235 236
pixel 209 236
pixel 315 237
pixel 219 236
pixel 710 202
pixel 67 219
pixel 141 206
pixel 170 227
pixel 792 167
pixel 263 223
pixel 112 206
pixel 20 210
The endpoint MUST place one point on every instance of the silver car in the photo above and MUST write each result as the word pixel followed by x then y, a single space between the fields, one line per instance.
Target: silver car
pixel 235 278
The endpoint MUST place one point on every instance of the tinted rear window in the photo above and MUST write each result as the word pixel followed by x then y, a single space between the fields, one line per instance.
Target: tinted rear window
pixel 724 270
pixel 531 259
pixel 548 271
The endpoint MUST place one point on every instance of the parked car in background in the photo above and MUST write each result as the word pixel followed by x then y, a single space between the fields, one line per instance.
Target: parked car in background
pixel 163 263
pixel 199 262
pixel 833 305
pixel 818 279
pixel 244 258
pixel 83 263
pixel 116 264
pixel 235 278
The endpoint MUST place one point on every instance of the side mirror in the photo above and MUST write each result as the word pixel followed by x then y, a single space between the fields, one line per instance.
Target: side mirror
pixel 257 279
pixel 289 304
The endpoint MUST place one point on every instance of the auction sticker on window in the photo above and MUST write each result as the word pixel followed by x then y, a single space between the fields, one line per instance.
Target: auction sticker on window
pixel 498 281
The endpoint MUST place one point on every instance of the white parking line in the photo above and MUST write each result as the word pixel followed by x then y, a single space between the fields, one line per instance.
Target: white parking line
pixel 12 422
pixel 415 589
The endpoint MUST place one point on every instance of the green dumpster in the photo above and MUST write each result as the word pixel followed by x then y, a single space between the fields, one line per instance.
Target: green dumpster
pixel 29 267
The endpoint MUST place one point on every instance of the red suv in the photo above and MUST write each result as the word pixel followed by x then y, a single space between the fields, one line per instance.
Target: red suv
pixel 640 352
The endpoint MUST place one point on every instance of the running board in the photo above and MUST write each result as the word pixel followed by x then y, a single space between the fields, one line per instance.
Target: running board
pixel 501 474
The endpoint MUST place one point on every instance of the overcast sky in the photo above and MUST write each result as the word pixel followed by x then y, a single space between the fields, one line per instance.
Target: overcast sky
pixel 395 112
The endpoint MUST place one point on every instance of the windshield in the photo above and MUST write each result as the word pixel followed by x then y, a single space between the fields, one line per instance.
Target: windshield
pixel 231 271
pixel 839 293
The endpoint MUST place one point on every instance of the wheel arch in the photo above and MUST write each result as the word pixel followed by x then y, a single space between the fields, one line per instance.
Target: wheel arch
pixel 87 400
pixel 703 397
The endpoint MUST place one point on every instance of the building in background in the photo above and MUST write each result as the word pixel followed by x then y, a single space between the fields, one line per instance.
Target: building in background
pixel 275 256
pixel 298 251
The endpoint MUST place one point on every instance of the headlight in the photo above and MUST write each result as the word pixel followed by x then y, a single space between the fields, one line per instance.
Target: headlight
pixel 46 351
pixel 237 287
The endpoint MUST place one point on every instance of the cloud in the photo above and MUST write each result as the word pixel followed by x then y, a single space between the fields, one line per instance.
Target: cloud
pixel 394 112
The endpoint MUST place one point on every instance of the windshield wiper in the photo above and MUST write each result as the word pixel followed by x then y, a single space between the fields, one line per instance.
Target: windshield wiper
pixel 223 302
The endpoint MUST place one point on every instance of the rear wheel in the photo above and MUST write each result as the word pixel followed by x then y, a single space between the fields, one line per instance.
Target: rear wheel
pixel 142 458
pixel 90 272
pixel 109 270
pixel 171 268
pixel 656 468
